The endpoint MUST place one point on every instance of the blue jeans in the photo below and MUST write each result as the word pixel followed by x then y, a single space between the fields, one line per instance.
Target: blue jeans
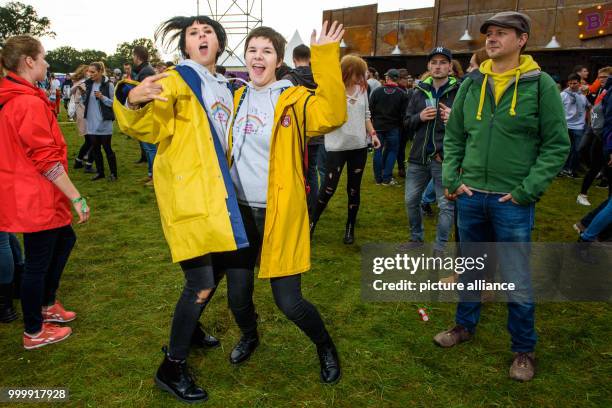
pixel 317 156
pixel 7 265
pixel 573 160
pixel 150 151
pixel 417 177
pixel 429 195
pixel 384 158
pixel 482 218
pixel 599 223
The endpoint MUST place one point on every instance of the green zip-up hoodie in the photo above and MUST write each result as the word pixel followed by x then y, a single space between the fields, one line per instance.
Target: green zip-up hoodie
pixel 516 146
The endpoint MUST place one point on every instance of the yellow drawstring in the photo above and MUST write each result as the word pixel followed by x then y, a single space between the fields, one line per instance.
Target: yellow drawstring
pixel 516 81
pixel 483 91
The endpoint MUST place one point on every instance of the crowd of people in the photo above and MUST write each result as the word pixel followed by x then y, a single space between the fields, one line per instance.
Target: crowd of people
pixel 244 182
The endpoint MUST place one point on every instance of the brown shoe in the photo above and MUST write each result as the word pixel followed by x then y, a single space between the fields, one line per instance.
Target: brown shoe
pixel 452 337
pixel 523 367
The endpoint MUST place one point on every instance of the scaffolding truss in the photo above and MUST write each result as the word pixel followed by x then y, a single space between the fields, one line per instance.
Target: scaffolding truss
pixel 238 17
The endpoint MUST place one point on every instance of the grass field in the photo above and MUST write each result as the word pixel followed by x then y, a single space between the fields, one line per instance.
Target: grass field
pixel 123 286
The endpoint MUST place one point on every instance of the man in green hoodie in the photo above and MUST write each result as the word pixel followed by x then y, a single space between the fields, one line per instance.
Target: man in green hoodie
pixel 506 140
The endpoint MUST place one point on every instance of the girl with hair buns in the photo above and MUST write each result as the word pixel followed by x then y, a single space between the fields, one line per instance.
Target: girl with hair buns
pixel 186 110
pixel 36 192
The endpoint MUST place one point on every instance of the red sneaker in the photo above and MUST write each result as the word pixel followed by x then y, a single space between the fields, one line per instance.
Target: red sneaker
pixel 49 334
pixel 57 313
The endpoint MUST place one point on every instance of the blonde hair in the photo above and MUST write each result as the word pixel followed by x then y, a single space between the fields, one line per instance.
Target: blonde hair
pixel 99 65
pixel 354 66
pixel 80 72
pixel 14 49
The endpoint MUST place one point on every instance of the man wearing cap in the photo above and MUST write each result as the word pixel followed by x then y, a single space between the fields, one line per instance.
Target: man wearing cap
pixel 506 140
pixel 387 106
pixel 425 119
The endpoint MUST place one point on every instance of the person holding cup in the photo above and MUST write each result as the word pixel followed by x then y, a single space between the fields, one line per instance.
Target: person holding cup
pixel 426 117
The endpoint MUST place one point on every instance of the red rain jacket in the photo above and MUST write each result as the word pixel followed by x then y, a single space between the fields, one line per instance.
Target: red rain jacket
pixel 31 143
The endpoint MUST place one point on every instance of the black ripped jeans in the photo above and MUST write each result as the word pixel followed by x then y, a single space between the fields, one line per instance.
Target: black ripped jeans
pixel 201 273
pixel 355 162
pixel 240 271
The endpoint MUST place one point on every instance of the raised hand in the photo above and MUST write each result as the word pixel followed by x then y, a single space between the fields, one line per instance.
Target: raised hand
pixel 334 34
pixel 147 90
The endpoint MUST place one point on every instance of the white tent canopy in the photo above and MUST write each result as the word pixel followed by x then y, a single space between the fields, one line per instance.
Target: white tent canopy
pixel 294 42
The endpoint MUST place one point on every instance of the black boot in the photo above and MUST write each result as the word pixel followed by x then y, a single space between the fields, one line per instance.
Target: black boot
pixel 203 340
pixel 330 363
pixel 245 347
pixel 7 312
pixel 112 164
pixel 78 164
pixel 174 377
pixel 349 234
pixel 98 176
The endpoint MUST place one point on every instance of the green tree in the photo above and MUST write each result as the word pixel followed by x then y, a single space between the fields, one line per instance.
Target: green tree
pixel 123 53
pixel 67 59
pixel 18 19
pixel 63 59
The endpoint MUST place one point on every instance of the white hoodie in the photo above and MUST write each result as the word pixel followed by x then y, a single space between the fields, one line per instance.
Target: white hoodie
pixel 217 98
pixel 252 133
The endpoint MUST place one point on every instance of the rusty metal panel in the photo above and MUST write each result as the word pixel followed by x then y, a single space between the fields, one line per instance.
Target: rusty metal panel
pixel 360 27
pixel 358 40
pixel 415 36
pixel 459 7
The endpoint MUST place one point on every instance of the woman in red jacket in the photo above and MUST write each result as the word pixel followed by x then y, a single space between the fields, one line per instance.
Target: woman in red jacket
pixel 35 190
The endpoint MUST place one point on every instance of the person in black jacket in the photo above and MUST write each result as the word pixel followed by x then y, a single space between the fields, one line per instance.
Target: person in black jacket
pixel 387 106
pixel 143 69
pixel 426 117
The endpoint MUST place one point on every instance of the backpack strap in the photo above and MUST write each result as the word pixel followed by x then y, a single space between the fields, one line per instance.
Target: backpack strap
pixel 302 142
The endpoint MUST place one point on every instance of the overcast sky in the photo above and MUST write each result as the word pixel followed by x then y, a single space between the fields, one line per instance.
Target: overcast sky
pixel 103 24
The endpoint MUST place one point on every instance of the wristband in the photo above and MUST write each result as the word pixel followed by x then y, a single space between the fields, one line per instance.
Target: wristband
pixel 83 202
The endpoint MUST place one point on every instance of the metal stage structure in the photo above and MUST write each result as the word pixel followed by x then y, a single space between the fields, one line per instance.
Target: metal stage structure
pixel 238 17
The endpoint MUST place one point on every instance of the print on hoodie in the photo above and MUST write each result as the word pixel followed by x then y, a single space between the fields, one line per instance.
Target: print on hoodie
pixel 252 133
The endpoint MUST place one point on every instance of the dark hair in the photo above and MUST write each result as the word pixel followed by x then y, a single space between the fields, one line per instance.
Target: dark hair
pixel 169 64
pixel 15 48
pixel 141 52
pixel 573 77
pixel 372 70
pixel 301 53
pixel 277 40
pixel 221 69
pixel 578 68
pixel 176 29
pixel 127 63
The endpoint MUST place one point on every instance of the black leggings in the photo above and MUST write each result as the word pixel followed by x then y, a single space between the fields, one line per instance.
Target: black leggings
pixel 240 267
pixel 598 163
pixel 355 162
pixel 85 152
pixel 200 273
pixel 100 141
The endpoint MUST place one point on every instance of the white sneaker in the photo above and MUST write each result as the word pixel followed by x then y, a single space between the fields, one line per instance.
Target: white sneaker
pixel 583 200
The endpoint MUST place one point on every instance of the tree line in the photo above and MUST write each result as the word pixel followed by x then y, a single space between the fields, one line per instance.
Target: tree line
pixel 18 19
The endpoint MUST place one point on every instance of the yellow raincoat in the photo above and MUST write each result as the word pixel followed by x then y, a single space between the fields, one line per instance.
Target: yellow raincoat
pixel 286 241
pixel 196 199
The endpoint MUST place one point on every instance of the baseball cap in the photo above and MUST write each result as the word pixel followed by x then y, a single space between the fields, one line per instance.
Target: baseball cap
pixel 393 73
pixel 440 51
pixel 508 19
